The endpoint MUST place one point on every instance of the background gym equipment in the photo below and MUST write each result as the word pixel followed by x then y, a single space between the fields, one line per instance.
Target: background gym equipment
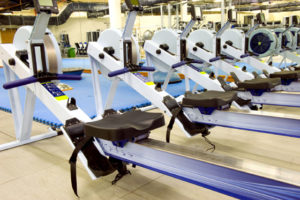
pixel 116 60
pixel 105 146
pixel 235 43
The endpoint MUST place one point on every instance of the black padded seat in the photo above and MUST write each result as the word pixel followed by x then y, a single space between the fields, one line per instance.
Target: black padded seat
pixel 260 83
pixel 297 68
pixel 119 127
pixel 286 75
pixel 209 99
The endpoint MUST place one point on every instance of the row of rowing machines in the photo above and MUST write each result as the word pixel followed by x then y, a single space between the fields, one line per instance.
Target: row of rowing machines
pixel 113 140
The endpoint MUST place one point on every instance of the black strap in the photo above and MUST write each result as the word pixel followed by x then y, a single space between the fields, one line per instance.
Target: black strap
pixel 175 113
pixel 73 160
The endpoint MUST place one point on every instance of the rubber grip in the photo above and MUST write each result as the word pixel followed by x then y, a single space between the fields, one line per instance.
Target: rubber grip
pixel 215 59
pixel 20 82
pixel 68 77
pixel 244 55
pixel 118 72
pixel 126 70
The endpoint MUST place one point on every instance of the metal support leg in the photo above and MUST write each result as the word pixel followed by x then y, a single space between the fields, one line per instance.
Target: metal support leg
pixel 97 88
pixel 195 88
pixel 14 98
pixel 167 80
pixel 187 81
pixel 28 115
pixel 22 122
pixel 149 63
pixel 112 92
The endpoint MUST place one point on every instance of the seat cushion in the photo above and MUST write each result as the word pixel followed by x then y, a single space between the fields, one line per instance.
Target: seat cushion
pixel 260 83
pixel 209 99
pixel 297 68
pixel 118 127
pixel 286 75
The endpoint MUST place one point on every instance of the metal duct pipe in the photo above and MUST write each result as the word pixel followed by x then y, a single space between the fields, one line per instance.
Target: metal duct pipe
pixel 285 9
pixel 282 6
pixel 245 2
pixel 58 20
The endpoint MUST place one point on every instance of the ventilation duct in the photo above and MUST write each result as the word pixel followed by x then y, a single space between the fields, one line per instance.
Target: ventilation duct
pixel 291 6
pixel 57 20
pixel 100 9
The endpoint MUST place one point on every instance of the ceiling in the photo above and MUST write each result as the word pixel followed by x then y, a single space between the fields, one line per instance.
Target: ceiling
pixel 8 6
pixel 15 5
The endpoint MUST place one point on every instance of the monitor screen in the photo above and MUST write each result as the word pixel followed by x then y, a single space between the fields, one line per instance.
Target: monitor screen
pixel 198 11
pixel 46 3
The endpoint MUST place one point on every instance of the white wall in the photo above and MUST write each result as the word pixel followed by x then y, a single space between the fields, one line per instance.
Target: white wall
pixel 77 27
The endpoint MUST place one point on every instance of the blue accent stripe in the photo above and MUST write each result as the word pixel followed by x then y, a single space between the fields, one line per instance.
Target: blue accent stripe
pixel 266 188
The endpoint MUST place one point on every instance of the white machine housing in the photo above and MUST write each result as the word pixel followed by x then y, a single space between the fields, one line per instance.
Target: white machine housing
pixel 52 49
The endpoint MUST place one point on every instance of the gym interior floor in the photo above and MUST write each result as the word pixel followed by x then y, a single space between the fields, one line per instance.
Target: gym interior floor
pixel 41 171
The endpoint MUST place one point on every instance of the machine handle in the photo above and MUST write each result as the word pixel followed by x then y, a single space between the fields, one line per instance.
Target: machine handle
pixel 68 77
pixel 126 70
pixel 186 63
pixel 32 79
pixel 244 55
pixel 215 59
pixel 255 54
pixel 228 57
pixel 20 82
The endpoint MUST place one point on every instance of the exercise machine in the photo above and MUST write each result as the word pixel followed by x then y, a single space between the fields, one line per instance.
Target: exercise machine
pixel 267 42
pixel 209 47
pixel 170 50
pixel 115 54
pixel 236 43
pixel 105 146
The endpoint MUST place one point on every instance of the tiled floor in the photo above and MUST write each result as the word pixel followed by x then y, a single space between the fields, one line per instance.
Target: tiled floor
pixel 41 171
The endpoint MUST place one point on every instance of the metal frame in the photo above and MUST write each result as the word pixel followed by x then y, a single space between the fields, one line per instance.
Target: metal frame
pixel 187 168
pixel 257 64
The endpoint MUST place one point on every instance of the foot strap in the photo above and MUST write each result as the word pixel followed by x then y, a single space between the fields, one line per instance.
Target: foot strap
pixel 73 160
pixel 175 114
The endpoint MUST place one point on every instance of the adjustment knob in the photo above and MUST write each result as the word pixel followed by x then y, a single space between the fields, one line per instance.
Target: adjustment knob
pixel 195 49
pixel 11 61
pixel 158 51
pixel 101 55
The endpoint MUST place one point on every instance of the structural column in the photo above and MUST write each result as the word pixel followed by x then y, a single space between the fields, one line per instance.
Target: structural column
pixel 115 13
pixel 162 16
pixel 222 12
pixel 169 16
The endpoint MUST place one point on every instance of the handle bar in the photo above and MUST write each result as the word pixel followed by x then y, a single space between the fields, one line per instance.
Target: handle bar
pixel 186 62
pixel 126 70
pixel 32 79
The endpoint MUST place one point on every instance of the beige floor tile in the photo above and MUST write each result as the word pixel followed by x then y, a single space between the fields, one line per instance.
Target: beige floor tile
pixel 7 126
pixel 4 115
pixel 23 161
pixel 169 188
pixel 138 178
pixel 4 138
pixel 57 146
pixel 132 196
pixel 54 183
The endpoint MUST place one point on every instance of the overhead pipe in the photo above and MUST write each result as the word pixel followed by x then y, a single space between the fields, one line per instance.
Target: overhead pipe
pixel 283 6
pixel 285 9
pixel 103 8
pixel 56 20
